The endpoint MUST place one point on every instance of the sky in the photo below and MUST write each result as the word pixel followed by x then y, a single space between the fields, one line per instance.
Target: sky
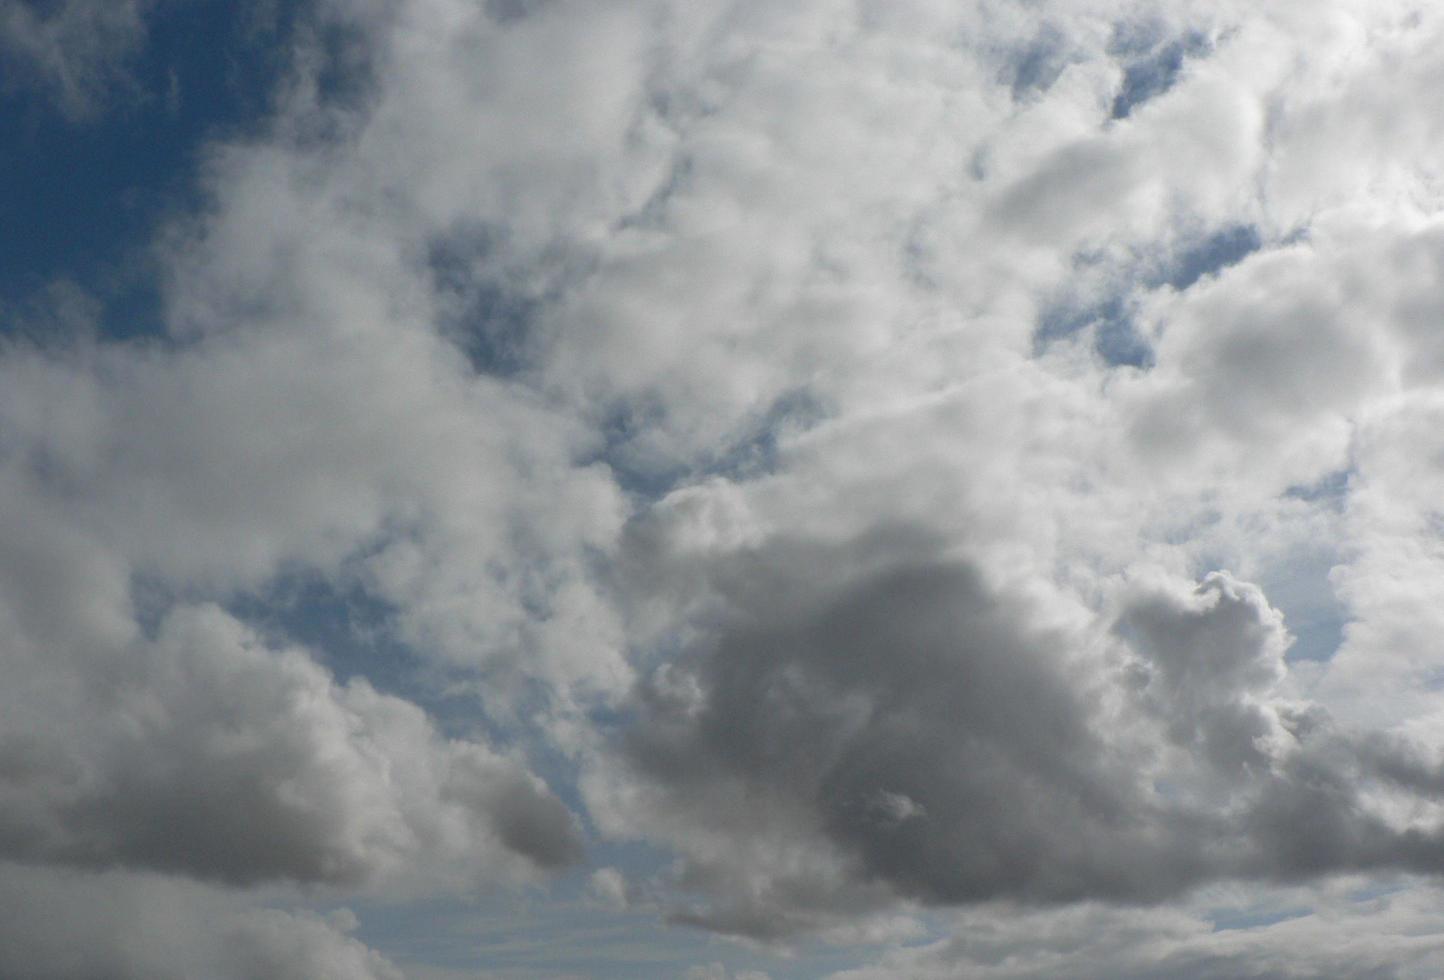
pixel 721 489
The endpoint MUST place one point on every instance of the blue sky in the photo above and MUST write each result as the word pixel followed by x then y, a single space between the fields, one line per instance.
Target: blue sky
pixel 85 198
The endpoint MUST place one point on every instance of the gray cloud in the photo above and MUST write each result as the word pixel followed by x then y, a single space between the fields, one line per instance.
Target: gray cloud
pixel 67 926
pixel 924 727
pixel 194 747
pixel 213 757
pixel 1391 937
pixel 952 751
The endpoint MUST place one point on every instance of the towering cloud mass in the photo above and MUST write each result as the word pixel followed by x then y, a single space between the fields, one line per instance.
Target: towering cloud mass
pixel 955 473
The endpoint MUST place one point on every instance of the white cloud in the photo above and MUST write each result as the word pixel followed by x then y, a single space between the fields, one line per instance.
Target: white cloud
pixel 684 366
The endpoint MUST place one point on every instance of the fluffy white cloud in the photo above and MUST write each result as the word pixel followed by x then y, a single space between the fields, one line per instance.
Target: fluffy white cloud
pixel 849 404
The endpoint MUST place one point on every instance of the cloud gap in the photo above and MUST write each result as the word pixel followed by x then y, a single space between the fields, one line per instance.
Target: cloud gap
pixel 1152 67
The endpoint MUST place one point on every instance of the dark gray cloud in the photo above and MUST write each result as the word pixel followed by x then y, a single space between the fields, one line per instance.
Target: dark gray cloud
pixel 954 751
pixel 928 731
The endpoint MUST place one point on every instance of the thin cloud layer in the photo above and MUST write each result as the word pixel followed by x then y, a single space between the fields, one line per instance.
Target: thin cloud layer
pixel 1393 935
pixel 73 52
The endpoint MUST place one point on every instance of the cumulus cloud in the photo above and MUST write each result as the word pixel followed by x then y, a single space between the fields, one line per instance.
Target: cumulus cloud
pixel 862 725
pixel 208 755
pixel 146 730
pixel 822 425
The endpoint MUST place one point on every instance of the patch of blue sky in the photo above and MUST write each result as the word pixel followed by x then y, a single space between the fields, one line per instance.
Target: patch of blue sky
pixel 488 318
pixel 354 635
pixel 646 474
pixel 1231 920
pixel 1151 65
pixel 349 630
pixel 756 452
pixel 1034 68
pixel 1297 584
pixel 1109 324
pixel 652 213
pixel 1211 255
pixel 641 471
pixel 82 200
pixel 1318 630
pixel 1109 321
pixel 1378 889
pixel 1330 489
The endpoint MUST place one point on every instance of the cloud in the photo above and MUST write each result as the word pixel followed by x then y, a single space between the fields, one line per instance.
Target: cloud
pixel 212 756
pixel 716 971
pixel 863 724
pixel 1390 936
pixel 67 926
pixel 73 51
pixel 820 426
pixel 609 886
pixel 1207 659
pixel 174 738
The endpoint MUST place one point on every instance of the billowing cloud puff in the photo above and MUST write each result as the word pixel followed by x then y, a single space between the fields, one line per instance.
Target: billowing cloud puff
pixel 867 722
pixel 209 755
pixel 182 741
